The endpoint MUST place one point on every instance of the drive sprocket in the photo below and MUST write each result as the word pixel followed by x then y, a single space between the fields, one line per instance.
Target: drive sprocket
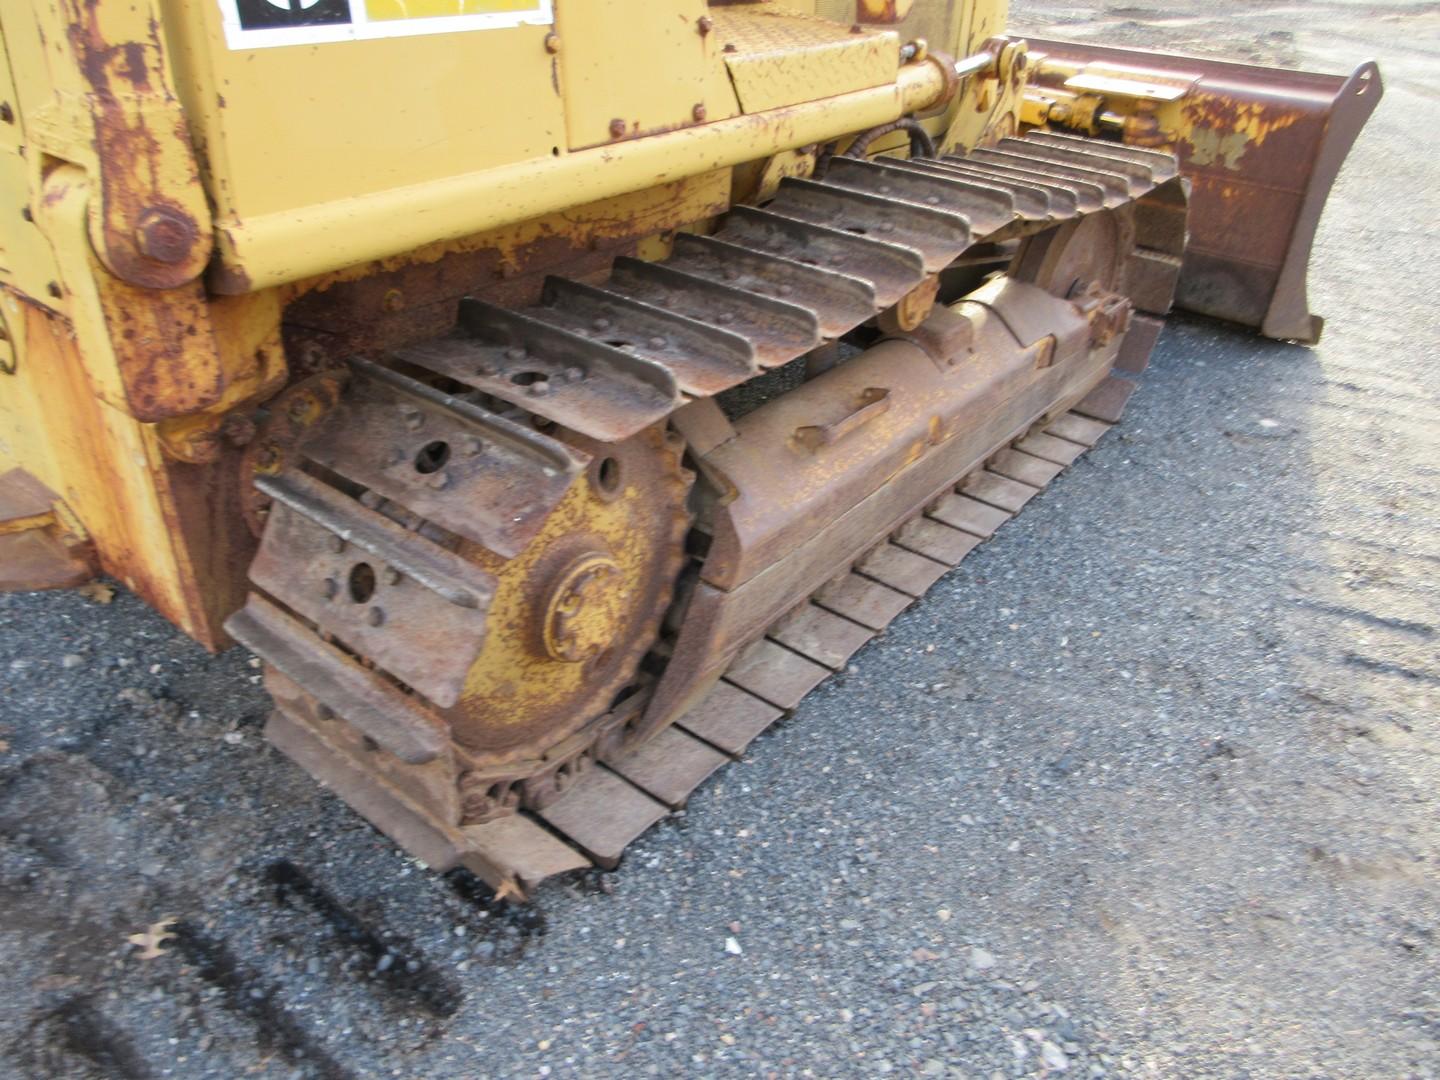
pixel 574 613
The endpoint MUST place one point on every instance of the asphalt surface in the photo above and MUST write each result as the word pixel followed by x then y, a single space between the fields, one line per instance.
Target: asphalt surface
pixel 1147 787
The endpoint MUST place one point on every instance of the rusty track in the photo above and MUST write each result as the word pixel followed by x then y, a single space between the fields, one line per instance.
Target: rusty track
pixel 608 364
pixel 593 822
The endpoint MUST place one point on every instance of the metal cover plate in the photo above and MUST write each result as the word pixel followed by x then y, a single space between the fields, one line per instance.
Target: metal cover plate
pixel 777 58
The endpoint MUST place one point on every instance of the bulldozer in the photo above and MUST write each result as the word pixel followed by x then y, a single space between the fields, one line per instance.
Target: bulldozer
pixel 551 393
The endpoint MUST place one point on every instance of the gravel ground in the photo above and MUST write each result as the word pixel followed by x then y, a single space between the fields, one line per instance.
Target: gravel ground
pixel 1148 786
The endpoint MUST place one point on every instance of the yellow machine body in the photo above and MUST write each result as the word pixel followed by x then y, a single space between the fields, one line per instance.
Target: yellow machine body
pixel 235 229
pixel 253 175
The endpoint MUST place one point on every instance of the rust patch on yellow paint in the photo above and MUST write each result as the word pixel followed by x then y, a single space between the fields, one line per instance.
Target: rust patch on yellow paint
pixel 151 226
pixel 1220 130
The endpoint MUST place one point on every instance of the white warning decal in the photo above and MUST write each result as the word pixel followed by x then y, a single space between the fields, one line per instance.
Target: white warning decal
pixel 257 24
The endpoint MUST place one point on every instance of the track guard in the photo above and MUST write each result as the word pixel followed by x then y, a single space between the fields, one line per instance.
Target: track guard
pixel 1262 148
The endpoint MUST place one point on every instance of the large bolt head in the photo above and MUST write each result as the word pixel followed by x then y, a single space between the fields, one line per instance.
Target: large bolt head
pixel 165 235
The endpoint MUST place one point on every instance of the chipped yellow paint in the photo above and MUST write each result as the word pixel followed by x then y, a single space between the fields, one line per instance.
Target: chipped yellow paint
pixel 312 165
pixel 1219 131
pixel 1210 146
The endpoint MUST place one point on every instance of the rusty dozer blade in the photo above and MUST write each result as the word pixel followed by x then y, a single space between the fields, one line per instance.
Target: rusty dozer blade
pixel 1261 147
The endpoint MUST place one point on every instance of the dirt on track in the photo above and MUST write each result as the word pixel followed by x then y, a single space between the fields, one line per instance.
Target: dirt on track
pixel 1149 786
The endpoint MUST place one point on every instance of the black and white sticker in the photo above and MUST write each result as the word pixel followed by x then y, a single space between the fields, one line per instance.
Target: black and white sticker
pixel 258 24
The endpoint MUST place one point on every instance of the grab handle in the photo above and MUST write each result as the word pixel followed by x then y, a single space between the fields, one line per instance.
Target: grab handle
pixel 873 401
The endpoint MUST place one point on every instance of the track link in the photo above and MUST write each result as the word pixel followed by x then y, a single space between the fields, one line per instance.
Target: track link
pixel 774 283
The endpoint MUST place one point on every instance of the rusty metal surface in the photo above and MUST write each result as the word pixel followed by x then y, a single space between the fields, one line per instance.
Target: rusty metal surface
pixel 793 487
pixel 776 674
pixel 1139 341
pixel 373 706
pixel 986 209
pixel 863 600
pixel 1061 451
pixel 346 522
pixel 1067 195
pixel 1077 429
pixel 820 635
pixel 730 718
pixel 1141 175
pixel 602 814
pixel 428 785
pixel 1030 199
pixel 1026 468
pixel 703 358
pixel 33 559
pixel 38 550
pixel 1151 280
pixel 901 569
pixel 24 501
pixel 1157 165
pixel 521 642
pixel 150 223
pixel 477 474
pixel 1262 148
pixel 414 609
pixel 776 329
pixel 430 839
pixel 1114 187
pixel 837 300
pixel 575 612
pixel 527 853
pixel 935 540
pixel 865 453
pixel 594 388
pixel 607 808
pixel 963 512
pixel 988 487
pixel 781 549
pixel 1107 401
pixel 669 766
pixel 892 270
pixel 936 235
